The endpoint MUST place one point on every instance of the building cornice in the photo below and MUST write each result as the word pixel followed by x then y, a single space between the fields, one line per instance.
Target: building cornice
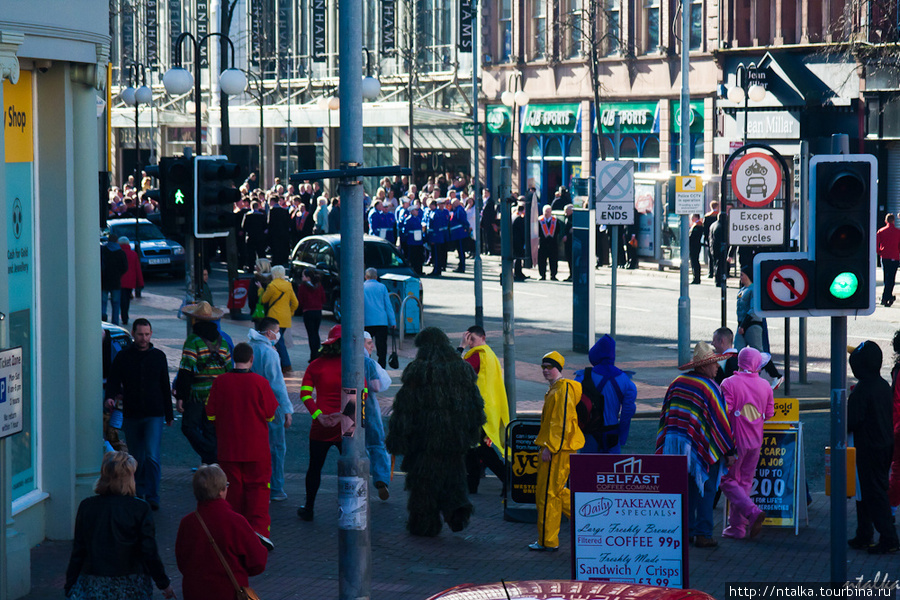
pixel 9 46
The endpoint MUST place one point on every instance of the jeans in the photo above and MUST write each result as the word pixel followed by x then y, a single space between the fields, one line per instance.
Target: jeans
pixel 700 508
pixel 890 275
pixel 282 352
pixel 199 431
pixel 143 437
pixel 278 447
pixel 379 461
pixel 113 296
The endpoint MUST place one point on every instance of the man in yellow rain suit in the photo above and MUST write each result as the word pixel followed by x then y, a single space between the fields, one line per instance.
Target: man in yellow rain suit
pixel 490 383
pixel 558 437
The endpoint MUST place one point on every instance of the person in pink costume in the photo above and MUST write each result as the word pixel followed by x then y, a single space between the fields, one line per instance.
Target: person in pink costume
pixel 748 398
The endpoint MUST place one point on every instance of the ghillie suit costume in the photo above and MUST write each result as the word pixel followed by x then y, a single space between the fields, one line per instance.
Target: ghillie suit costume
pixel 437 416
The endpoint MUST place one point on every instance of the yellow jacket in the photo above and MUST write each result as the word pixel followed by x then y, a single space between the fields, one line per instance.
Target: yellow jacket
pixel 284 306
pixel 490 384
pixel 559 421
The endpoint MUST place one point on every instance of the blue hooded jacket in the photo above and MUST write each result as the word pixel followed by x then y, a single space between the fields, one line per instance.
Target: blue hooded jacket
pixel 619 392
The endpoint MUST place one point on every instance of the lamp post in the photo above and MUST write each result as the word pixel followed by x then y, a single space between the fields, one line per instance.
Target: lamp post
pixel 135 96
pixel 328 104
pixel 179 80
pixel 746 88
pixel 514 100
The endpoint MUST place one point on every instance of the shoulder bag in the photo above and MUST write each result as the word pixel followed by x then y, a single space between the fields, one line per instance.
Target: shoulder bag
pixel 243 593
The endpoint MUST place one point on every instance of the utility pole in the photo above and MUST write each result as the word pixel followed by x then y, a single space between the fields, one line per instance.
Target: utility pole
pixel 476 189
pixel 684 300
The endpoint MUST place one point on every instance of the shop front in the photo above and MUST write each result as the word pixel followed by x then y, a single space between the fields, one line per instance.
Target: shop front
pixel 551 143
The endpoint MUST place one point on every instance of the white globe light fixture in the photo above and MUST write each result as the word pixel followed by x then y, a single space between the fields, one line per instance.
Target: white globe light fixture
pixel 522 99
pixel 371 87
pixel 736 94
pixel 128 96
pixel 508 98
pixel 334 103
pixel 756 93
pixel 143 95
pixel 233 81
pixel 178 80
pixel 322 103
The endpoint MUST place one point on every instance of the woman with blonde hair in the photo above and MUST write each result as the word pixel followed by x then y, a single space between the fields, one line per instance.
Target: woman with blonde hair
pixel 282 302
pixel 114 553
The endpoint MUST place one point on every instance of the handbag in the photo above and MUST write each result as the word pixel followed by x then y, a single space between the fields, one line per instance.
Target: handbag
pixel 243 593
pixel 393 361
pixel 259 311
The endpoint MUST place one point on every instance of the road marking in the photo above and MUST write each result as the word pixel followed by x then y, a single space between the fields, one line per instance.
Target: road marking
pixel 516 292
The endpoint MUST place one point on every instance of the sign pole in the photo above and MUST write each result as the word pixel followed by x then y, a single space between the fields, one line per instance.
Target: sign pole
pixel 684 299
pixel 615 242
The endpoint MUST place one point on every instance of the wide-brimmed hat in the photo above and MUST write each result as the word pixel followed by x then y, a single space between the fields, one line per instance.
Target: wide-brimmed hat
pixel 203 310
pixel 704 354
pixel 334 335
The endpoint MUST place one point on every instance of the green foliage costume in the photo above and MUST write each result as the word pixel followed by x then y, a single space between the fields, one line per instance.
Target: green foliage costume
pixel 437 417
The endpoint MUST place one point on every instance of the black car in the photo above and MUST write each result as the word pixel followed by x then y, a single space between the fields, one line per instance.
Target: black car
pixel 158 254
pixel 322 254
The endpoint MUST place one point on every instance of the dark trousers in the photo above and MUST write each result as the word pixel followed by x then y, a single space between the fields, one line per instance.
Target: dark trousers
pixel 517 269
pixel 439 257
pixel 873 513
pixel 695 265
pixel 488 241
pixel 461 253
pixel 548 251
pixel 379 333
pixel 890 276
pixel 318 452
pixel 487 456
pixel 125 303
pixel 199 431
pixel 416 255
pixel 312 319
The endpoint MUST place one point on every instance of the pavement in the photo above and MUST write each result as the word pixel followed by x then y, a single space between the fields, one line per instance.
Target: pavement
pixel 305 565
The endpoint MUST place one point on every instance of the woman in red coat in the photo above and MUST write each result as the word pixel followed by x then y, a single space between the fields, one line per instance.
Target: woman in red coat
pixel 133 279
pixel 311 295
pixel 203 575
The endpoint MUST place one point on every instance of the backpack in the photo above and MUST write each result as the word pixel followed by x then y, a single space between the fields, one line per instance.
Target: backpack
pixel 590 410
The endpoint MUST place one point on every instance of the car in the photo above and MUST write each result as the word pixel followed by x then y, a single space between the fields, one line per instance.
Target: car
pixel 322 254
pixel 158 253
pixel 567 590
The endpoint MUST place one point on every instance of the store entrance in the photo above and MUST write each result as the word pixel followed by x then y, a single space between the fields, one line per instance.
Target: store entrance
pixel 553 178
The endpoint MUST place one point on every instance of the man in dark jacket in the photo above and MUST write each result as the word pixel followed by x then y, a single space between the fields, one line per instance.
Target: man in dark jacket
pixel 695 243
pixel 254 226
pixel 718 248
pixel 113 264
pixel 519 238
pixel 139 379
pixel 279 232
pixel 869 420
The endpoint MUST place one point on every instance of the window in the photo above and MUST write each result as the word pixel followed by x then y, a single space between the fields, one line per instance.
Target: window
pixel 572 37
pixel 651 26
pixel 539 29
pixel 696 25
pixel 435 32
pixel 613 31
pixel 505 31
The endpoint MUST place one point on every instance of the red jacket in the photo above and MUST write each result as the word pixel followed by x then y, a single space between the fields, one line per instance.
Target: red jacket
pixel 133 277
pixel 310 297
pixel 324 376
pixel 203 575
pixel 241 404
pixel 887 239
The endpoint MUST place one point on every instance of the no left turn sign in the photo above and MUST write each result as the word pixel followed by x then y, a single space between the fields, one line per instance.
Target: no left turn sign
pixel 787 286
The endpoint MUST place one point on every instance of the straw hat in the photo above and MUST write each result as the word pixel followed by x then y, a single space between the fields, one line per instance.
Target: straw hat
pixel 203 310
pixel 704 354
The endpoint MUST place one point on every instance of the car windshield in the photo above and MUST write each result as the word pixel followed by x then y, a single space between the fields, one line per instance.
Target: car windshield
pixel 379 255
pixel 145 231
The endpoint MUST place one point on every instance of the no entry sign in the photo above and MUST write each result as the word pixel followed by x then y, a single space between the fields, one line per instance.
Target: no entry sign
pixel 787 286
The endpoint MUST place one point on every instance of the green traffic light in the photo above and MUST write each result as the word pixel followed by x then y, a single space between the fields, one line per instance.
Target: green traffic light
pixel 844 285
pixel 179 197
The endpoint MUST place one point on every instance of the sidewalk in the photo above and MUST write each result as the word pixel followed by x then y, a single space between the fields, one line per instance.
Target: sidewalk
pixel 305 561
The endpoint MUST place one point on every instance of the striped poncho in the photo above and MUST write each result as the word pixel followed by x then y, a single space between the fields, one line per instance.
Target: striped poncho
pixel 694 423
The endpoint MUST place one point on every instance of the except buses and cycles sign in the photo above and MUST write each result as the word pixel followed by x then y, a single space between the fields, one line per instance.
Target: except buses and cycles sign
pixel 629 518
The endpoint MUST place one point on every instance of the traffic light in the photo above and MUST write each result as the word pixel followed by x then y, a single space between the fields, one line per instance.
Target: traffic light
pixel 175 187
pixel 843 195
pixel 214 195
pixel 154 194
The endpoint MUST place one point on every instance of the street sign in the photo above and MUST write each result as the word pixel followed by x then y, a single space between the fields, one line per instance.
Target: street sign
pixel 615 192
pixel 756 179
pixel 688 195
pixel 784 282
pixel 787 286
pixel 756 227
pixel 11 392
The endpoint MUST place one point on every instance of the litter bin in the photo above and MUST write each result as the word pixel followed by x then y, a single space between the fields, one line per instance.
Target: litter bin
pixel 238 296
pixel 401 287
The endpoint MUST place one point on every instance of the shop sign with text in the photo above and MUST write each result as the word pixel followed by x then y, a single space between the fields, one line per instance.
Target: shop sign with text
pixel 552 118
pixel 634 117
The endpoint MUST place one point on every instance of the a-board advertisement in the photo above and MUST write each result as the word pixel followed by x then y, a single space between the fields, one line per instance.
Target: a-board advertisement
pixel 629 518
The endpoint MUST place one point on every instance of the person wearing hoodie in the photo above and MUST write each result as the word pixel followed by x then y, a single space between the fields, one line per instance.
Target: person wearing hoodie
pixel 267 363
pixel 869 421
pixel 605 383
pixel 113 264
pixel 894 484
pixel 749 402
pixel 377 380
pixel 204 357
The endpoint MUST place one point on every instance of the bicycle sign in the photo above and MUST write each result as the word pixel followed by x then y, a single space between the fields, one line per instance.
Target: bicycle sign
pixel 756 179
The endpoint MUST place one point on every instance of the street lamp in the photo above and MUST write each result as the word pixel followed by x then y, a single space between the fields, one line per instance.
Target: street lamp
pixel 371 87
pixel 746 89
pixel 514 100
pixel 135 96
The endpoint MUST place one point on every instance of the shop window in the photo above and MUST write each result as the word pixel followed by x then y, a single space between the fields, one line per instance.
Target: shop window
pixel 505 31
pixel 553 150
pixel 533 149
pixel 573 32
pixel 650 155
pixel 696 25
pixel 651 26
pixel 538 29
pixel 612 30
pixel 573 153
pixel 628 148
pixel 606 148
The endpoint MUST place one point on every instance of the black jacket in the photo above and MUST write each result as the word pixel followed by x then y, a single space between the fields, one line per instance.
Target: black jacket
pixel 143 380
pixel 254 226
pixel 115 536
pixel 869 416
pixel 113 264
